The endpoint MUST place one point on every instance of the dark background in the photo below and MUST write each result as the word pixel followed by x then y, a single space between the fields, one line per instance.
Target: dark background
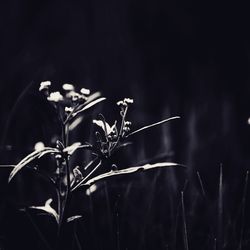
pixel 174 58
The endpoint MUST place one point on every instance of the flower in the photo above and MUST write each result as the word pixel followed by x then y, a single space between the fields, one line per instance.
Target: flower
pixel 120 103
pixel 44 85
pixel 128 100
pixel 68 109
pixel 55 97
pixel 68 87
pixel 125 102
pixel 85 91
pixel 39 146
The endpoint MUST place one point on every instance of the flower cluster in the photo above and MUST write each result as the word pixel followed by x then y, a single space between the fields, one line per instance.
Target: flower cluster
pixel 113 136
pixel 70 93
pixel 70 100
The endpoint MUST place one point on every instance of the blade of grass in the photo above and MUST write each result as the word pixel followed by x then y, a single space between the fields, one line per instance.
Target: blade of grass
pixel 177 217
pixel 220 212
pixel 243 211
pixel 201 184
pixel 184 222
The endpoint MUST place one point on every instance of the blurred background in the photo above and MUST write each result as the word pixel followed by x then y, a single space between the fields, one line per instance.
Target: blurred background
pixel 173 58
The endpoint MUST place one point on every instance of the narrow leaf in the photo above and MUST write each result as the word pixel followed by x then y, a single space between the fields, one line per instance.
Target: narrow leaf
pixel 29 158
pixel 130 170
pixel 152 125
pixel 93 97
pixel 89 105
pixel 73 218
pixel 75 123
pixel 75 146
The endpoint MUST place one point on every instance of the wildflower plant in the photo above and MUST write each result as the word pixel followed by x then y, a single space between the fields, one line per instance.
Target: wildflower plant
pixel 109 138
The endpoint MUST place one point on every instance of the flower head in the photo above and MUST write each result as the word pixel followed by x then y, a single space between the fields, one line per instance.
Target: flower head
pixel 55 97
pixel 68 109
pixel 85 91
pixel 128 100
pixel 44 85
pixel 125 102
pixel 68 87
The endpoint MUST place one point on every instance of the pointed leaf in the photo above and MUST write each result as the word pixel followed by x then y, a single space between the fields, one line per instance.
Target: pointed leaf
pixel 103 125
pixel 89 105
pixel 75 146
pixel 130 171
pixel 152 125
pixel 73 218
pixel 75 123
pixel 29 158
pixel 92 97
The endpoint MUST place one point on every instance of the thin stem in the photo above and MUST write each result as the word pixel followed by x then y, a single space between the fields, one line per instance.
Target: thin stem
pixel 123 121
pixel 201 184
pixel 184 222
pixel 84 179
pixel 243 211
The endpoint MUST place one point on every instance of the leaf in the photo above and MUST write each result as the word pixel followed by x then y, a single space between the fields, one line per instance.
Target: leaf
pixel 73 218
pixel 101 124
pixel 92 97
pixel 130 171
pixel 77 145
pixel 29 158
pixel 123 145
pixel 75 123
pixel 152 125
pixel 48 209
pixel 72 148
pixel 89 105
pixel 7 166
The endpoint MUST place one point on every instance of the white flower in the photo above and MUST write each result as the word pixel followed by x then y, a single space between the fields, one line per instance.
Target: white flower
pixel 39 146
pixel 55 97
pixel 125 102
pixel 44 85
pixel 128 100
pixel 120 103
pixel 68 109
pixel 85 91
pixel 68 87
